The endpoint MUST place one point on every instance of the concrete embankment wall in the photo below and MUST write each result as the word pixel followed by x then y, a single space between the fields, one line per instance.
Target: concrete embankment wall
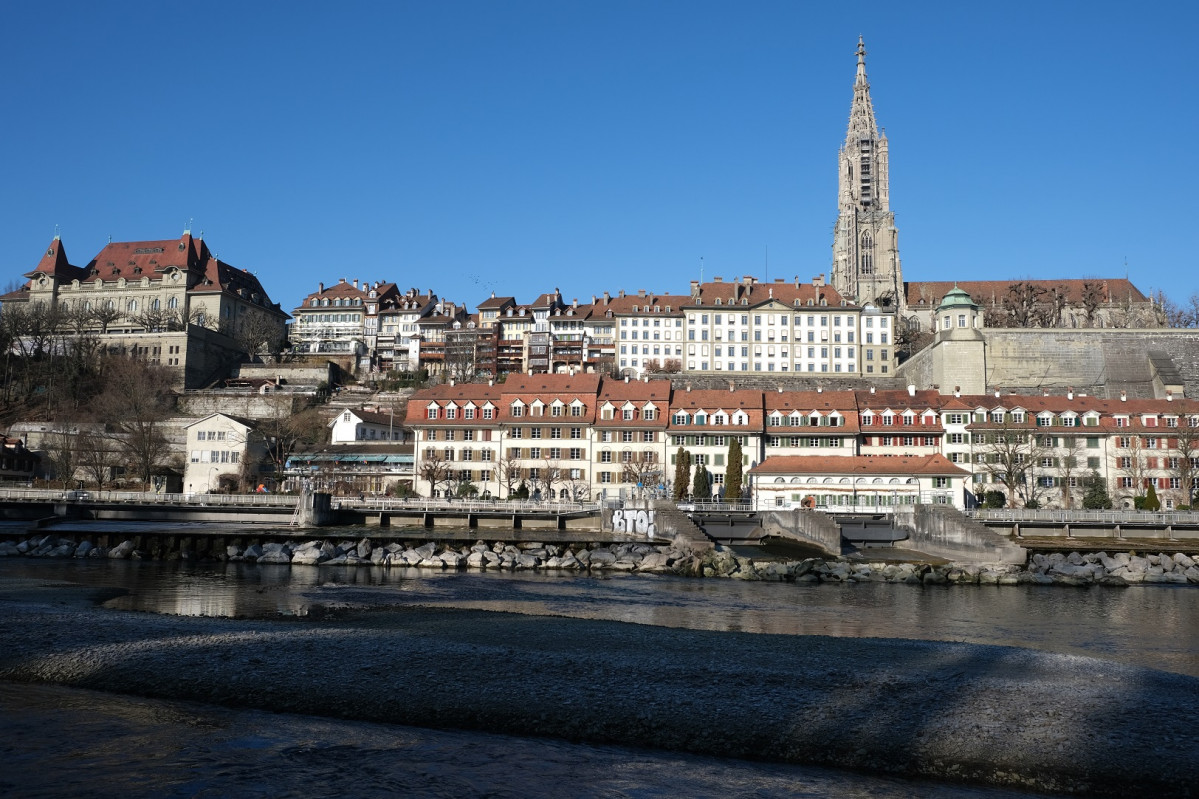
pixel 806 526
pixel 945 532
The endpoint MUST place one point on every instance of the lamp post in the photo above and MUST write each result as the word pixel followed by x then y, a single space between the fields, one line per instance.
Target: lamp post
pixel 211 471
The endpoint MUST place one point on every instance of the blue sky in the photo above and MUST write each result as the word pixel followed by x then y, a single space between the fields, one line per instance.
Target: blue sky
pixel 516 147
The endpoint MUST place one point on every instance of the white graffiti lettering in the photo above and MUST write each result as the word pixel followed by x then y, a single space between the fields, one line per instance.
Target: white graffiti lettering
pixel 634 521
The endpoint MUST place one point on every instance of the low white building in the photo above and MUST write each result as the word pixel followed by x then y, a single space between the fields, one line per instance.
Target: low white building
pixel 357 426
pixel 860 484
pixel 223 452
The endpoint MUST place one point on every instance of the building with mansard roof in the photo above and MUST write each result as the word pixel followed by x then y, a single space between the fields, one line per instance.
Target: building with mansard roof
pixel 171 302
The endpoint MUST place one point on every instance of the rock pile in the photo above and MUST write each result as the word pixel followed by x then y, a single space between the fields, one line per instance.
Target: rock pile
pixel 1073 569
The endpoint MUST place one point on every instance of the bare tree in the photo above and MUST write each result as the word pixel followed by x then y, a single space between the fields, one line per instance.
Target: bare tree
pixel 1094 295
pixel 63 451
pixel 1185 458
pixel 1131 465
pixel 135 404
pixel 642 469
pixel 104 315
pixel 435 471
pixel 1008 453
pixel 507 471
pixel 284 429
pixel 1070 466
pixel 1023 302
pixel 98 457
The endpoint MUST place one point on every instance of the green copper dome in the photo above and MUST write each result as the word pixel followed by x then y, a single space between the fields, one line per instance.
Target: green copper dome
pixel 956 298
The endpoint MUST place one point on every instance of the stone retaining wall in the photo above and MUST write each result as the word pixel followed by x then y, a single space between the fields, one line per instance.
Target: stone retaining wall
pixel 1071 569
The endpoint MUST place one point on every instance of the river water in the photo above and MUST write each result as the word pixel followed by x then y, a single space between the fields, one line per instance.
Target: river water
pixel 213 751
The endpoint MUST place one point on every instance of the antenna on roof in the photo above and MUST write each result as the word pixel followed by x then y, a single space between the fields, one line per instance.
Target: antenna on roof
pixel 56 232
pixel 766 277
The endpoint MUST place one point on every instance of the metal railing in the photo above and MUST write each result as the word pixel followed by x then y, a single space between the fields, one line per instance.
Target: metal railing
pixel 1152 518
pixel 148 498
pixel 420 505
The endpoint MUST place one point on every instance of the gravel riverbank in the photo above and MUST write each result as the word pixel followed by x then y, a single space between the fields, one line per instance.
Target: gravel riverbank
pixel 983 714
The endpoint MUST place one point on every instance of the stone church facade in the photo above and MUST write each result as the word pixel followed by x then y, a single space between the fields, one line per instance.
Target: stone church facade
pixel 866 265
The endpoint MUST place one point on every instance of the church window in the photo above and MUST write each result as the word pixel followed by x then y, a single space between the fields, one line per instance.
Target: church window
pixel 867 255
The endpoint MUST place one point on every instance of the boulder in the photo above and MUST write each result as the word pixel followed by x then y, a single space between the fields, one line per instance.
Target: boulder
pixel 426 550
pixel 1184 561
pixel 83 549
pixel 279 556
pixel 364 548
pixel 601 557
pixel 253 552
pixel 121 551
pixel 310 556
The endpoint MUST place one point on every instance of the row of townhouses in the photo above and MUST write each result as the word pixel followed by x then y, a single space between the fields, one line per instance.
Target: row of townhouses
pixel 736 326
pixel 589 436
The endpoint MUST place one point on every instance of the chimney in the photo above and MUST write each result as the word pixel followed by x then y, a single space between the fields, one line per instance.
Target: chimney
pixel 872 389
pixel 818 281
pixel 320 287
pixel 1169 396
pixel 593 299
pixel 451 381
pixel 645 378
pixel 819 389
pixel 626 379
pixel 491 382
pixel 1123 396
pixel 688 388
pixel 620 294
pixel 640 292
pixel 341 280
pixel 575 303
pixel 1070 392
pixel 1044 392
pixel 355 282
pixel 780 389
pixel 911 390
pixel 957 391
pixel 718 279
pixel 607 298
pixel 731 386
pixel 996 392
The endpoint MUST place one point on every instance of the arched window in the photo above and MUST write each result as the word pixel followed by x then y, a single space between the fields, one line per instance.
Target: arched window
pixel 156 304
pixel 133 306
pixel 866 266
pixel 173 303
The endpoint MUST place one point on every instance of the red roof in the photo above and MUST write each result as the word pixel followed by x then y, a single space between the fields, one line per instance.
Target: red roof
pixel 928 293
pixel 937 465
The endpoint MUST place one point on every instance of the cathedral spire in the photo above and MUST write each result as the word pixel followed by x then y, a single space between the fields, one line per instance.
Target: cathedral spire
pixel 865 245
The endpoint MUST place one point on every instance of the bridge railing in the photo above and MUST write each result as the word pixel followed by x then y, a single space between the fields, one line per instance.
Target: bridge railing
pixel 420 505
pixel 148 498
pixel 716 507
pixel 1138 517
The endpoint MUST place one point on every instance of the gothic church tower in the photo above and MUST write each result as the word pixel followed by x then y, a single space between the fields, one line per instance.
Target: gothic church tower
pixel 866 241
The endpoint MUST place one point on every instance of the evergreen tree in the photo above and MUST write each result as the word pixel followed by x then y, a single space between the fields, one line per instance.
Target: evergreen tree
pixel 733 476
pixel 1096 497
pixel 703 486
pixel 682 473
pixel 1152 503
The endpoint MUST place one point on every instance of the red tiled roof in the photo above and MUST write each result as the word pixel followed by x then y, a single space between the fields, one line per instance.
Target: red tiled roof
pixel 928 293
pixel 731 293
pixel 859 464
pixel 623 306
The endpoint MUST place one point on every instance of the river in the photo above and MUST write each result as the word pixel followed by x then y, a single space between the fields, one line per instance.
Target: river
pixel 50 732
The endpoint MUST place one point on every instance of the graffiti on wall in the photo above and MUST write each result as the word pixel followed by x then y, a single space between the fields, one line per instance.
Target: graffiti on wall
pixel 634 521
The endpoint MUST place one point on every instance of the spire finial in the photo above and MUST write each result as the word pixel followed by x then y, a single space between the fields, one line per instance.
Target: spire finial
pixel 57 233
